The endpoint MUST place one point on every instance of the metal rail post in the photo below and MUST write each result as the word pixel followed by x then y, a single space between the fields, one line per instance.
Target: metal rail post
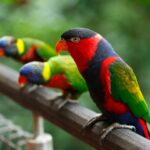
pixel 40 140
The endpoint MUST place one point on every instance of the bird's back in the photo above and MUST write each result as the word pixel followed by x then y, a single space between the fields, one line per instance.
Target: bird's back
pixel 66 65
pixel 43 50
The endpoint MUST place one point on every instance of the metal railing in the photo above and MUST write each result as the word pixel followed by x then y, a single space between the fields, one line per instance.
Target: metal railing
pixel 12 137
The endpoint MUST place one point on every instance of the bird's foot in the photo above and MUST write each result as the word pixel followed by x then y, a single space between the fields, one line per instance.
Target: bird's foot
pixel 32 88
pixel 92 121
pixel 58 102
pixel 113 126
pixel 73 101
pixel 64 102
pixel 61 100
pixel 61 104
pixel 29 88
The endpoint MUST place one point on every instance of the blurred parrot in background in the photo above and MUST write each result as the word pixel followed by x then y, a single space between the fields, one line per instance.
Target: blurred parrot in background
pixel 25 49
pixel 58 72
pixel 112 83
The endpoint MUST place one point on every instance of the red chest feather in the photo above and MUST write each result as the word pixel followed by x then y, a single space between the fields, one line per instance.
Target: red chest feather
pixel 110 104
pixel 31 55
pixel 59 81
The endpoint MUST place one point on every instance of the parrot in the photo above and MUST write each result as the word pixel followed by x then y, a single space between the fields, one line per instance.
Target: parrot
pixel 112 83
pixel 58 72
pixel 25 49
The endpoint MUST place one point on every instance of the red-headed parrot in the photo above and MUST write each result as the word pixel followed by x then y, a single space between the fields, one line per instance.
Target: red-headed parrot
pixel 58 72
pixel 112 83
pixel 25 49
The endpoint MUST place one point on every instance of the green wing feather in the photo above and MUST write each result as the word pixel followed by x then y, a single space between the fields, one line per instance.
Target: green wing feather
pixel 43 49
pixel 66 65
pixel 125 88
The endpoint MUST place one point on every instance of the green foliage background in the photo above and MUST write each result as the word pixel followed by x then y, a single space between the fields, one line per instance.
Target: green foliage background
pixel 125 23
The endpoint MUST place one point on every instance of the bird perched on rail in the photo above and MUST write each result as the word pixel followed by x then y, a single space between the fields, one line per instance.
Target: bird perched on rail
pixel 112 83
pixel 58 72
pixel 25 49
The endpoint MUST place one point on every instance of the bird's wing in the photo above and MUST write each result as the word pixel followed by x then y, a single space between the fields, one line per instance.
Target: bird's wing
pixel 75 78
pixel 68 67
pixel 125 88
pixel 44 50
pixel 73 75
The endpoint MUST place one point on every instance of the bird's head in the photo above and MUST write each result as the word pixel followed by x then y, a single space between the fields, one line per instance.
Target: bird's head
pixel 81 43
pixel 34 73
pixel 10 46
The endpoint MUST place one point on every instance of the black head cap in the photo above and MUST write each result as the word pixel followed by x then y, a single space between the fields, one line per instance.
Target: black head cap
pixel 78 32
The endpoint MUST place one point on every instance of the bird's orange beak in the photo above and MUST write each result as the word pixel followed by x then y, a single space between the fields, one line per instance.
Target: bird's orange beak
pixel 1 52
pixel 61 45
pixel 22 81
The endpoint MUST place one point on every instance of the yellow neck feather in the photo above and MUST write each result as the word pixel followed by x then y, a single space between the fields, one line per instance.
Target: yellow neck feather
pixel 20 46
pixel 46 71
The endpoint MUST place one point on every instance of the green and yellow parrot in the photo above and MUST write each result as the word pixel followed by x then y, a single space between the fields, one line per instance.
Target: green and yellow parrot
pixel 25 49
pixel 58 72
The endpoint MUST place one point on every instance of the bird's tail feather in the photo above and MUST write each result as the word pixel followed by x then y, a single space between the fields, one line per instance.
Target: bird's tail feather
pixel 145 128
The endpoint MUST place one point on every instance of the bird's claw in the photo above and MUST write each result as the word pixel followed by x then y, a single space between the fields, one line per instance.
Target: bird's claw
pixel 29 88
pixel 91 122
pixel 61 101
pixel 64 102
pixel 32 88
pixel 107 130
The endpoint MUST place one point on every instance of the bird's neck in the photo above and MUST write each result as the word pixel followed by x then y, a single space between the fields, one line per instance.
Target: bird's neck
pixel 46 72
pixel 95 50
pixel 55 66
pixel 104 50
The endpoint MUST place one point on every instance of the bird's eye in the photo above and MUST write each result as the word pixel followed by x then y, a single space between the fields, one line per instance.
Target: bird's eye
pixel 75 39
